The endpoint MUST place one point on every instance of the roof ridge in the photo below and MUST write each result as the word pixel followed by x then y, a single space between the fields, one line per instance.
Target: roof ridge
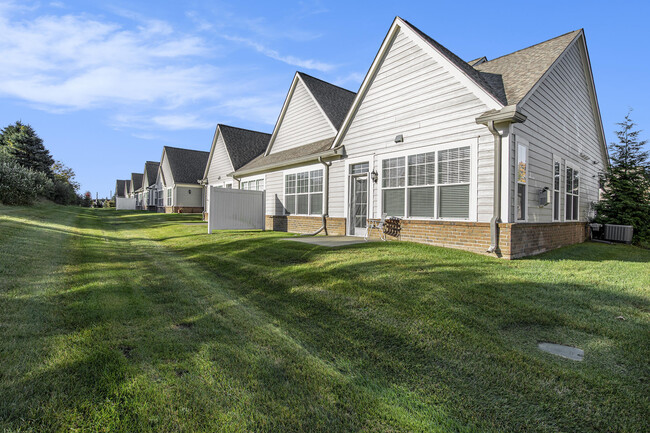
pixel 534 45
pixel 326 82
pixel 183 148
pixel 243 129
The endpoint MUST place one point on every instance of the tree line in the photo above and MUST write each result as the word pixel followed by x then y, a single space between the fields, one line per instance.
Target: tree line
pixel 28 171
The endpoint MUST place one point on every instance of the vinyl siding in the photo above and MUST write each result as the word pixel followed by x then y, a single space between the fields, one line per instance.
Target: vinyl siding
pixel 274 184
pixel 303 122
pixel 168 179
pixel 220 165
pixel 183 197
pixel 414 95
pixel 561 123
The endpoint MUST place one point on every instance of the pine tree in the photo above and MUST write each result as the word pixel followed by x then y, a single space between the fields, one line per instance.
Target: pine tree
pixel 626 197
pixel 27 147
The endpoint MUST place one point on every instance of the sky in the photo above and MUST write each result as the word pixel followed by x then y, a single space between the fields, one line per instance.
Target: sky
pixel 107 84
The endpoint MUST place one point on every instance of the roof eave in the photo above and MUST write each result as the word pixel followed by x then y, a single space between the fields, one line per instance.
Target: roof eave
pixel 335 153
pixel 507 114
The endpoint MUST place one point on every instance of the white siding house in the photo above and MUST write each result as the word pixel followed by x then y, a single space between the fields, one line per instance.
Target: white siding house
pixel 499 156
pixel 180 171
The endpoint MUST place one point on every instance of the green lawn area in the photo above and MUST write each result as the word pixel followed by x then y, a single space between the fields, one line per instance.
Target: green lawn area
pixel 126 321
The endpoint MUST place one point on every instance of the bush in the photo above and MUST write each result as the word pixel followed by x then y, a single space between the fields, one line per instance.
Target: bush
pixel 20 185
pixel 63 193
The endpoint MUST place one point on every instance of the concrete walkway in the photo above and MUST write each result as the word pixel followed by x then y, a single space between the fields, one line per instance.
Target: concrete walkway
pixel 328 241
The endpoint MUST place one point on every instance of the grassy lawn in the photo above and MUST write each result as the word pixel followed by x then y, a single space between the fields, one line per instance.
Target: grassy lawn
pixel 125 321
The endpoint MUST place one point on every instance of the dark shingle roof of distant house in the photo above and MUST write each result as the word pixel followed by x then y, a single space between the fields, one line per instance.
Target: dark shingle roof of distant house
pixel 522 69
pixel 119 188
pixel 289 155
pixel 151 168
pixel 335 101
pixel 187 166
pixel 127 185
pixel 136 179
pixel 490 84
pixel 243 145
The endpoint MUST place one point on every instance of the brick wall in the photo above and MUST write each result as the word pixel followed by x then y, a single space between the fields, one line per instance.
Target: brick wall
pixel 534 238
pixel 182 209
pixel 304 224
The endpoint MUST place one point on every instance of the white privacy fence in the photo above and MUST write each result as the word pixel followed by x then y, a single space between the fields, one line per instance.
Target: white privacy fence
pixel 124 203
pixel 235 209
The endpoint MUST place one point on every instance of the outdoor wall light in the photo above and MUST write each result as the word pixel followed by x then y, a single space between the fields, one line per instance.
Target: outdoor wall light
pixel 374 176
pixel 399 138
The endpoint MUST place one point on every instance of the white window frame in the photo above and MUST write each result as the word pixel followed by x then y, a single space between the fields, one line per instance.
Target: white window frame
pixel 556 204
pixel 471 143
pixel 572 166
pixel 372 186
pixel 169 197
pixel 303 169
pixel 522 143
pixel 256 180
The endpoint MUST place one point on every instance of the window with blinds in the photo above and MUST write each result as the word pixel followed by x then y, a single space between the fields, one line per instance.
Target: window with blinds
pixel 411 185
pixel 303 193
pixel 571 200
pixel 556 191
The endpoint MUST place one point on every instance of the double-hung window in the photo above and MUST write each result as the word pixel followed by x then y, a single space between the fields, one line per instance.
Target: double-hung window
pixel 169 196
pixel 303 192
pixel 411 185
pixel 255 185
pixel 571 201
pixel 556 190
pixel 522 181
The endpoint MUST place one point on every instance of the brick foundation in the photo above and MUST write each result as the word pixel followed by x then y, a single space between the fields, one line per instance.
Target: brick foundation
pixel 304 224
pixel 515 239
pixel 182 209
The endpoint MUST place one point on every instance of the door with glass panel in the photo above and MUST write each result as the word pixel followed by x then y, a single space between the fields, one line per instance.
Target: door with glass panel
pixel 358 212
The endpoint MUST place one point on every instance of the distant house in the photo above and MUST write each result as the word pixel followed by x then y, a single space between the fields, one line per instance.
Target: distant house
pixel 150 193
pixel 120 188
pixel 127 189
pixel 231 149
pixel 499 156
pixel 135 190
pixel 180 172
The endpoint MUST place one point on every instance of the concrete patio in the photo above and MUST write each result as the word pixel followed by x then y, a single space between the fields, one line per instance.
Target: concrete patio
pixel 329 241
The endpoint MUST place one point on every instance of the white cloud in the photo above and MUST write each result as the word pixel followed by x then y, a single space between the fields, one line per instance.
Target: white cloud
pixel 351 78
pixel 288 59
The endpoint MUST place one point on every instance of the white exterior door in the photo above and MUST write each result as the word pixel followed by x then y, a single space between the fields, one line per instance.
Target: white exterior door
pixel 358 211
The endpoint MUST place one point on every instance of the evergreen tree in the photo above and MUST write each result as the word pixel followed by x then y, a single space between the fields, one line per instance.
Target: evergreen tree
pixel 626 197
pixel 27 147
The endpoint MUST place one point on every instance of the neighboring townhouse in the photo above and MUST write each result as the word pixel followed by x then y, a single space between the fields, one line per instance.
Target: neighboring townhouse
pixel 232 148
pixel 499 156
pixel 180 172
pixel 149 198
pixel 120 188
pixel 310 119
pixel 135 189
pixel 127 189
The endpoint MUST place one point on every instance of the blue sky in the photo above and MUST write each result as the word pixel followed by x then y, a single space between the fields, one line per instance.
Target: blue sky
pixel 107 84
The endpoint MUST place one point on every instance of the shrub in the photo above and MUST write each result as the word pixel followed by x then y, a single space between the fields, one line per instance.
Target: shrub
pixel 20 185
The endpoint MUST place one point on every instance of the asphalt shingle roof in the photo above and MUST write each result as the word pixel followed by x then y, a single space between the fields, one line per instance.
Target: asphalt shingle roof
pixel 151 168
pixel 136 180
pixel 243 145
pixel 335 101
pixel 120 186
pixel 187 166
pixel 127 186
pixel 522 69
pixel 289 154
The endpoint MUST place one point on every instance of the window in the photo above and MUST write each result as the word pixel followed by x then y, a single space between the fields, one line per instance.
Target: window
pixel 453 179
pixel 393 182
pixel 411 185
pixel 522 179
pixel 303 192
pixel 572 201
pixel 556 190
pixel 256 185
pixel 229 186
pixel 169 196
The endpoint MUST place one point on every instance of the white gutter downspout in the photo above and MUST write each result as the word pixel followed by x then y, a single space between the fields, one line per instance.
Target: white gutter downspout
pixel 496 211
pixel 326 187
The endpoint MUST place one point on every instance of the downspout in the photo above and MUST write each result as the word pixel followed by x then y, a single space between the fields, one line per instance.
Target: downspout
pixel 326 205
pixel 496 211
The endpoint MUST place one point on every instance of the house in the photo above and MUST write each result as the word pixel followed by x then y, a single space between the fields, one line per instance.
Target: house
pixel 232 148
pixel 135 189
pixel 180 172
pixel 127 188
pixel 496 156
pixel 150 193
pixel 120 188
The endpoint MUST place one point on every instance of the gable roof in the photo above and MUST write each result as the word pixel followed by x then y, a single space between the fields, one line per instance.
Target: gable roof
pixel 187 166
pixel 243 145
pixel 127 186
pixel 334 100
pixel 521 70
pixel 119 188
pixel 151 171
pixel 136 181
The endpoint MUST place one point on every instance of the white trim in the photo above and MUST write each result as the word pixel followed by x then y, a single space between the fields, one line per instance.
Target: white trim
pixel 308 169
pixel 370 159
pixel 570 164
pixel 556 204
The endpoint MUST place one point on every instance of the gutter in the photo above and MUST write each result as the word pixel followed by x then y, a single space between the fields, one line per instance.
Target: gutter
pixel 506 116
